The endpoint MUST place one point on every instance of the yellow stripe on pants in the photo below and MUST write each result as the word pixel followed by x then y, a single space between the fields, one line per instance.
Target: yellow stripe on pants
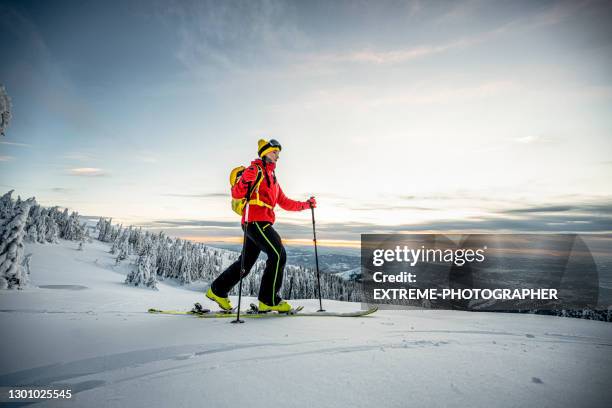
pixel 277 262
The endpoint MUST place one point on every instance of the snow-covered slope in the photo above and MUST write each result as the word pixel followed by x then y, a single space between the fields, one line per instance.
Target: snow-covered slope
pixel 80 325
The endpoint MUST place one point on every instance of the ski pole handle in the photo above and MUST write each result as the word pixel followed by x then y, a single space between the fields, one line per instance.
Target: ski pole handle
pixel 310 200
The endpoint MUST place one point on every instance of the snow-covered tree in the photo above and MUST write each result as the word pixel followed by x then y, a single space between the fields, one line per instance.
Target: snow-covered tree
pixel 72 229
pixel 87 236
pixel 99 224
pixel 123 247
pixel 115 233
pixel 164 260
pixel 52 234
pixel 146 245
pixel 32 228
pixel 14 269
pixel 115 247
pixel 144 272
pixel 106 230
pixel 26 264
pixel 5 110
pixel 41 226
pixel 6 205
pixel 186 264
pixel 62 220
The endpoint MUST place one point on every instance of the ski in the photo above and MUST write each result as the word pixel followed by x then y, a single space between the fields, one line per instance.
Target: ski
pixel 219 315
pixel 197 310
pixel 188 312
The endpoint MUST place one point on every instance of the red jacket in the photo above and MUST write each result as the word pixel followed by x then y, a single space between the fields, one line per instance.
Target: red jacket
pixel 270 193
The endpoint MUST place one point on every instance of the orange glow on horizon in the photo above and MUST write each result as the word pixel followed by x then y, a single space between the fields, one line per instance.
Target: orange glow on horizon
pixel 286 241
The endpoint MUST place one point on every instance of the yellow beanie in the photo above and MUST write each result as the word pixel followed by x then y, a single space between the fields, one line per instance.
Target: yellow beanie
pixel 264 147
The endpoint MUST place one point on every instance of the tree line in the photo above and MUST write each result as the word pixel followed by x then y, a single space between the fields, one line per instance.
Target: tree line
pixel 153 257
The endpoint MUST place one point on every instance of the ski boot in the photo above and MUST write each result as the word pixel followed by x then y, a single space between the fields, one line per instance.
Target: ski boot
pixel 199 310
pixel 224 303
pixel 282 307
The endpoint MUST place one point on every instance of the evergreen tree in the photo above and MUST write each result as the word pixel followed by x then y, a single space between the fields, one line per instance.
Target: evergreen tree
pixel 106 230
pixel 144 272
pixel 62 221
pixel 13 272
pixel 72 230
pixel 52 234
pixel 164 262
pixel 186 264
pixel 5 110
pixel 6 205
pixel 41 226
pixel 31 223
pixel 123 247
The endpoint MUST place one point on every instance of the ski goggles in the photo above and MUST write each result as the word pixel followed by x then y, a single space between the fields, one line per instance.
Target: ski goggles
pixel 272 144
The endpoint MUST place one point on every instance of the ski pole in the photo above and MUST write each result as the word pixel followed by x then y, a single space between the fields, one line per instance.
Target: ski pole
pixel 314 234
pixel 246 226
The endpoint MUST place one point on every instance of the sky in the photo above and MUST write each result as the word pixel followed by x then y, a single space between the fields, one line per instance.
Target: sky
pixel 415 116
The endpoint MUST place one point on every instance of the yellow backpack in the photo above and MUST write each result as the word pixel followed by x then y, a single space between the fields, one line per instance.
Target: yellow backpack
pixel 238 204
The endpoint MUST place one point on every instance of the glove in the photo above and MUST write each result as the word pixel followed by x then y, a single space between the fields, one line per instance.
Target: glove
pixel 311 202
pixel 249 174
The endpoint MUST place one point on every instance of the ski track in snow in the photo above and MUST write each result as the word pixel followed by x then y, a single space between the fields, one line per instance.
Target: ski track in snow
pixel 101 343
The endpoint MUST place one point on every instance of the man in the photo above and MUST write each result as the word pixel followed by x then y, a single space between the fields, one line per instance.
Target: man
pixel 260 235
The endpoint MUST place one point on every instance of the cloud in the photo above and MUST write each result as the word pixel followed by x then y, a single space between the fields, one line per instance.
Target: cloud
pixel 412 53
pixel 385 207
pixel 196 224
pixel 534 16
pixel 415 8
pixel 365 98
pixel 239 34
pixel 578 218
pixel 91 217
pixel 421 202
pixel 87 172
pixel 459 11
pixel 15 144
pixel 593 209
pixel 61 190
pixel 203 195
pixel 534 139
pixel 437 95
pixel 559 12
pixel 77 156
pixel 6 158
pixel 231 35
pixel 146 158
pixel 399 55
pixel 546 209
pixel 557 224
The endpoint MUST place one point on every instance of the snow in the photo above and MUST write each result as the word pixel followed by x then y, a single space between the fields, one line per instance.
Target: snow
pixel 79 325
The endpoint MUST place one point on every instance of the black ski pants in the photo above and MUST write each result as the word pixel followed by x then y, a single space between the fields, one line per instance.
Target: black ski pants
pixel 260 237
